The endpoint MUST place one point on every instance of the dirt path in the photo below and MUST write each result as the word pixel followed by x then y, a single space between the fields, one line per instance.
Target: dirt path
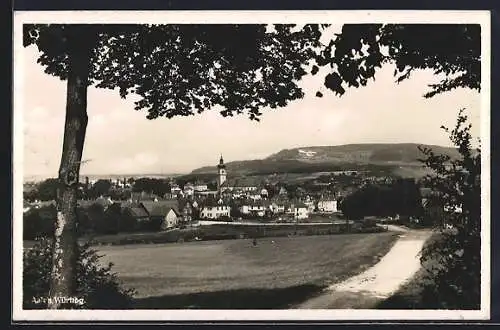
pixel 378 282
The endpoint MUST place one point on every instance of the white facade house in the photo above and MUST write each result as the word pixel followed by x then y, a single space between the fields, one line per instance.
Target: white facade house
pixel 260 210
pixel 277 207
pixel 255 197
pixel 188 190
pixel 327 206
pixel 175 190
pixel 309 203
pixel 212 193
pixel 171 220
pixel 247 188
pixel 200 187
pixel 238 188
pixel 215 212
pixel 300 212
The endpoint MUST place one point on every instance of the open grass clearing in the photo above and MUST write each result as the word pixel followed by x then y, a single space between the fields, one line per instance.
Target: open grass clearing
pixel 201 274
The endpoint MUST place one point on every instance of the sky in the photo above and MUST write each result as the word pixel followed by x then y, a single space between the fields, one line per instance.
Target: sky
pixel 120 140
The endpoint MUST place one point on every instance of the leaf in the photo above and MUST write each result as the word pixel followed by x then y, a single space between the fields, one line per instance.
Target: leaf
pixel 319 94
pixel 314 70
pixel 334 83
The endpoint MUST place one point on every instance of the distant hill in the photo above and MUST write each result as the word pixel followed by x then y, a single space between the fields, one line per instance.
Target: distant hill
pixel 379 153
pixel 333 158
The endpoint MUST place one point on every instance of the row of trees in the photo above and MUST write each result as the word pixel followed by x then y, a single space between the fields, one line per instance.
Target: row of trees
pixel 92 220
pixel 402 197
pixel 159 187
pixel 47 189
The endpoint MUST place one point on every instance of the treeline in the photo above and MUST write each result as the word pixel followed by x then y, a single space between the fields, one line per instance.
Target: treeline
pixel 92 220
pixel 47 189
pixel 399 198
pixel 159 187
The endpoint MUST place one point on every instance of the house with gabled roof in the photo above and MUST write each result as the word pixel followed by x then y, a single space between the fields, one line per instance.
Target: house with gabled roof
pixel 327 204
pixel 214 209
pixel 278 204
pixel 254 207
pixel 136 211
pixel 166 212
pixel 283 191
pixel 186 208
pixel 297 210
pixel 309 202
pixel 171 220
pixel 151 205
pixel 300 211
pixel 239 184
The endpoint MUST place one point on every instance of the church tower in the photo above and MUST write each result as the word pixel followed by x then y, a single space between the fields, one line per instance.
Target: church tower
pixel 222 174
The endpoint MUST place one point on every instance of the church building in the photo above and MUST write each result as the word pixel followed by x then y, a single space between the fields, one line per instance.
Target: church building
pixel 222 174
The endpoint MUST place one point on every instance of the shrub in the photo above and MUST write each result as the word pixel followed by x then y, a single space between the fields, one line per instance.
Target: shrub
pixel 96 285
pixel 455 284
pixel 39 222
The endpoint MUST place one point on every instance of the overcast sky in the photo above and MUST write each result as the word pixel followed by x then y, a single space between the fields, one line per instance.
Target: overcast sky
pixel 121 140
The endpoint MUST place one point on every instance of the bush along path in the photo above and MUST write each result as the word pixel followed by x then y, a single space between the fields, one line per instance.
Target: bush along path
pixel 379 282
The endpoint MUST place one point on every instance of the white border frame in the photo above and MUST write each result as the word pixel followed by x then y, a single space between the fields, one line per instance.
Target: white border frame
pixel 333 17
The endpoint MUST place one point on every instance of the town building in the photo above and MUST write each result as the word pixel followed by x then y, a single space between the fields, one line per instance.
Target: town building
pixel 309 203
pixel 198 187
pixel 135 211
pixel 188 189
pixel 215 211
pixel 297 210
pixel 175 189
pixel 214 207
pixel 300 211
pixel 257 208
pixel 327 205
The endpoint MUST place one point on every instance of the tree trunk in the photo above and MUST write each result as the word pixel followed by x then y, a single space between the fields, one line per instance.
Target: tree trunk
pixel 65 253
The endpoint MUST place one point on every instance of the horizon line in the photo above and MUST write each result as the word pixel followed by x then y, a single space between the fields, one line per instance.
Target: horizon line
pixel 174 173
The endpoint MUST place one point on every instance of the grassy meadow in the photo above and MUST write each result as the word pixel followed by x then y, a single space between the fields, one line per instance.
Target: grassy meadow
pixel 276 273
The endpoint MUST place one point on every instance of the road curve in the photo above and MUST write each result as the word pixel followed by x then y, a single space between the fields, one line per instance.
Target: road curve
pixel 378 282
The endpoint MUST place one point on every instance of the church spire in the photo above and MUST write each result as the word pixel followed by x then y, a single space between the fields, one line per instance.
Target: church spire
pixel 221 170
pixel 221 162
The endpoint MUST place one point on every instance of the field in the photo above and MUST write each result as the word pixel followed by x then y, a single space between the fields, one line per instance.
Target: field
pixel 276 273
pixel 223 231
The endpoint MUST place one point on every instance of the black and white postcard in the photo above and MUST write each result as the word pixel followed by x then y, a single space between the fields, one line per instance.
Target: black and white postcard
pixel 251 165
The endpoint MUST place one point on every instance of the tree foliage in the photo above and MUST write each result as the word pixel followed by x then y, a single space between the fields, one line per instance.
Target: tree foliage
pixel 158 187
pixel 97 286
pixel 39 222
pixel 455 258
pixel 402 197
pixel 101 187
pixel 451 50
pixel 47 190
pixel 181 70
